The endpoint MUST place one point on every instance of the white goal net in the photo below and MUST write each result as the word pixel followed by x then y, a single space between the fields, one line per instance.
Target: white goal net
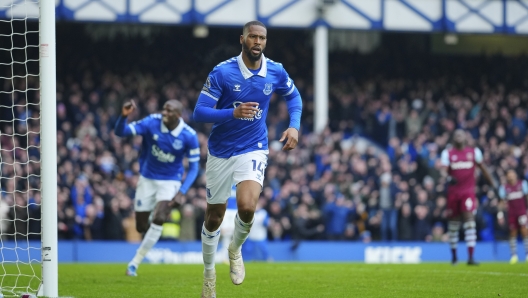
pixel 20 149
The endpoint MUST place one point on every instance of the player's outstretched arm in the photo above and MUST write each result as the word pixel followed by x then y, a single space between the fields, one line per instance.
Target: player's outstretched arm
pixel 120 128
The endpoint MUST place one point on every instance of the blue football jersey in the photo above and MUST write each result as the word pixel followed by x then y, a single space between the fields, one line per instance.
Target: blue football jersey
pixel 164 150
pixel 232 83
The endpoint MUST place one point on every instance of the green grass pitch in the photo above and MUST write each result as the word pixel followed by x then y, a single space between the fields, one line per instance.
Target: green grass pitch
pixel 299 280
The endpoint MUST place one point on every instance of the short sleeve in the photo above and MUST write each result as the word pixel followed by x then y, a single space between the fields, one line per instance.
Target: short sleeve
pixel 193 151
pixel 502 192
pixel 525 187
pixel 213 84
pixel 285 85
pixel 478 156
pixel 141 127
pixel 444 158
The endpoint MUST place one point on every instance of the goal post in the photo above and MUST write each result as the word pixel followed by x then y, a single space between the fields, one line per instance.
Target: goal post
pixel 47 62
pixel 28 152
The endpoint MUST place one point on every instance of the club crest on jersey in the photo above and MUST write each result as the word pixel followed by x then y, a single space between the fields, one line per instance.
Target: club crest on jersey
pixel 268 88
pixel 177 144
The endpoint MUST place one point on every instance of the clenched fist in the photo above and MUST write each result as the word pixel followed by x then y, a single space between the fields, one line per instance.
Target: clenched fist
pixel 246 110
pixel 128 107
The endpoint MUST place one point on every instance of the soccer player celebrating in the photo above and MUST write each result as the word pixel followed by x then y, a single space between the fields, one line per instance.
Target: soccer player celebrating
pixel 240 88
pixel 459 166
pixel 515 191
pixel 167 139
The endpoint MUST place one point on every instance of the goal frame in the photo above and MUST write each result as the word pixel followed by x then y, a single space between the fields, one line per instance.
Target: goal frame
pixel 49 286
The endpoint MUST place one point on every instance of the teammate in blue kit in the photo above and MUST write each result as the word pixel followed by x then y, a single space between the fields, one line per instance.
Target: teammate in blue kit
pixel 240 88
pixel 167 139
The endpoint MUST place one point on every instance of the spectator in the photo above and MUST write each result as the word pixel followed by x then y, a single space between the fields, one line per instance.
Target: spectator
pixel 304 227
pixel 336 214
pixel 188 223
pixel 405 225
pixel 112 221
pixel 389 221
pixel 422 226
pixel 92 223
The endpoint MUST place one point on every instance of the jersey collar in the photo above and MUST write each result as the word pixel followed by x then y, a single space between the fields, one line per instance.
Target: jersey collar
pixel 175 132
pixel 248 74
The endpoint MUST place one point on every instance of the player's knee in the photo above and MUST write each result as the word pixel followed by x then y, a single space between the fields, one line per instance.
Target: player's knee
pixel 246 212
pixel 158 220
pixel 213 223
pixel 141 227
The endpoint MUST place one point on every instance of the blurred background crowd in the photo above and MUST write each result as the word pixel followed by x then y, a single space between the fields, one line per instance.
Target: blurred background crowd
pixel 373 174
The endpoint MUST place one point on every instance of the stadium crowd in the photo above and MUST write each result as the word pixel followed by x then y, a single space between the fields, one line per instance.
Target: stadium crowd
pixel 373 174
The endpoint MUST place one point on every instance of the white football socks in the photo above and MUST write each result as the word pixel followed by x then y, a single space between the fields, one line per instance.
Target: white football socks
pixel 513 246
pixel 151 237
pixel 453 228
pixel 470 232
pixel 241 233
pixel 209 247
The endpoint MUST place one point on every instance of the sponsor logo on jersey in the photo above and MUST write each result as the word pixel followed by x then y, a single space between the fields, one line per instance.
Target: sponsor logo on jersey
pixel 195 151
pixel 162 156
pixel 469 156
pixel 155 137
pixel 515 195
pixel 462 165
pixel 177 144
pixel 257 116
pixel 208 193
pixel 268 88
pixel 237 88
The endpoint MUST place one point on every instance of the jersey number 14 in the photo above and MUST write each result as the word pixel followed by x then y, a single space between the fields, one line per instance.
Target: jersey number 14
pixel 259 167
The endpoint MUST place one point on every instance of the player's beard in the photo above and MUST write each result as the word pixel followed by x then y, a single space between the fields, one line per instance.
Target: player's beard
pixel 250 55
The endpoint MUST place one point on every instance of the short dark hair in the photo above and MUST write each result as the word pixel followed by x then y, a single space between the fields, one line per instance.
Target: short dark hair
pixel 245 29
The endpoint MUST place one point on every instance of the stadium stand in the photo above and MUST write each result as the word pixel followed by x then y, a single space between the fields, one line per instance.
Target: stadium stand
pixel 329 188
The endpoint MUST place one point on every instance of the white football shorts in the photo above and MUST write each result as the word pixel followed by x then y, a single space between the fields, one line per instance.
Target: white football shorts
pixel 149 192
pixel 222 173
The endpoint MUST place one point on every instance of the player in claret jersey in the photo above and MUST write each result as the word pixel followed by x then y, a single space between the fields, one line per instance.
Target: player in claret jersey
pixel 515 192
pixel 459 164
